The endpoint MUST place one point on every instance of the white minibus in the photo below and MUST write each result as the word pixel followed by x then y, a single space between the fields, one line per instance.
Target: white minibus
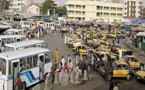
pixel 30 65
pixel 13 32
pixel 25 44
pixel 11 38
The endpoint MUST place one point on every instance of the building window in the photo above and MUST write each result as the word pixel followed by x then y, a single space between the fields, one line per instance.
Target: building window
pixel 125 8
pixel 125 13
pixel 125 3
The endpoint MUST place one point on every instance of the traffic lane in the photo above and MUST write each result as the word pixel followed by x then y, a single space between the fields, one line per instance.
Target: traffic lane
pixel 137 55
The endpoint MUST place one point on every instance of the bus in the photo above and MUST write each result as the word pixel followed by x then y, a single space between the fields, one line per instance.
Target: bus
pixel 13 32
pixel 11 38
pixel 25 44
pixel 30 65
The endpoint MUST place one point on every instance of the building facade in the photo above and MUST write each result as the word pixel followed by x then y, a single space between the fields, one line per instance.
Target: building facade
pixel 118 1
pixel 133 8
pixel 93 9
pixel 35 9
pixel 17 5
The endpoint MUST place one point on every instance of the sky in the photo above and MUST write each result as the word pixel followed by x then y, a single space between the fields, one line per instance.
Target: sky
pixel 63 1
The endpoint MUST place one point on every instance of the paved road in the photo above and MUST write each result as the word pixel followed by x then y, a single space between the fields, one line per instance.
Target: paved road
pixel 97 82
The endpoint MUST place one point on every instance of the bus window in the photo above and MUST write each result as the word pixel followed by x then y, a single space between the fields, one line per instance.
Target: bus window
pixel 22 64
pixel 10 69
pixel 3 66
pixel 18 40
pixel 29 62
pixel 35 59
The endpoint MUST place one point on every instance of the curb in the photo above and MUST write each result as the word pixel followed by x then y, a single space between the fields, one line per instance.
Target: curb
pixel 135 49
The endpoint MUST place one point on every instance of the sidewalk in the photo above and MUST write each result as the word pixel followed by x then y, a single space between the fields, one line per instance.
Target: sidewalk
pixel 135 49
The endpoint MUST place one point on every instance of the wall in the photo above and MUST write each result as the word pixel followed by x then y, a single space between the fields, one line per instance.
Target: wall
pixel 34 9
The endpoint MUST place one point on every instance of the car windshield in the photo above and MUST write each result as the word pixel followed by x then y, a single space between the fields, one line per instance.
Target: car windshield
pixel 114 65
pixel 126 58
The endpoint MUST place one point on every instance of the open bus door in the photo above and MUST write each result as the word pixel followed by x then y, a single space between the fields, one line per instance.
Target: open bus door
pixel 41 62
pixel 15 65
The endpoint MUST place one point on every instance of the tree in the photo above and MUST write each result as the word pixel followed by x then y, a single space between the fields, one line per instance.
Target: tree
pixel 5 4
pixel 47 5
pixel 61 10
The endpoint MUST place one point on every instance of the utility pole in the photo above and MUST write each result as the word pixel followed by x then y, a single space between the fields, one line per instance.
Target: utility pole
pixel 21 15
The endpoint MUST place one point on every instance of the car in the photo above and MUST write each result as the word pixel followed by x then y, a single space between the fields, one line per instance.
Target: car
pixel 104 55
pixel 77 43
pixel 82 49
pixel 140 75
pixel 89 41
pixel 118 69
pixel 111 35
pixel 133 62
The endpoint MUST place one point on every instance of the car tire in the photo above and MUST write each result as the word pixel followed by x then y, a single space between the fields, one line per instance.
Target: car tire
pixel 24 85
pixel 141 67
pixel 128 77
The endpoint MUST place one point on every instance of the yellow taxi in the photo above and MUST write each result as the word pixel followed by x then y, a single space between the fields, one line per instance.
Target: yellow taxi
pixel 119 69
pixel 111 35
pixel 133 62
pixel 89 41
pixel 82 49
pixel 94 33
pixel 140 76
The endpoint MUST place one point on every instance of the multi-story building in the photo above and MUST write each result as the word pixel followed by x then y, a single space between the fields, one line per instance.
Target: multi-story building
pixel 17 5
pixel 143 12
pixel 133 8
pixel 78 9
pixel 118 1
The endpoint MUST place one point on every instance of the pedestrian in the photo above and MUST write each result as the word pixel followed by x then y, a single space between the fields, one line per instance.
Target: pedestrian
pixel 18 85
pixel 70 65
pixel 53 69
pixel 41 66
pixel 118 39
pixel 69 58
pixel 120 53
pixel 66 67
pixel 92 60
pixel 63 61
pixel 115 87
pixel 56 54
pixel 83 67
pixel 61 70
pixel 16 72
pixel 106 71
pixel 65 39
pixel 111 84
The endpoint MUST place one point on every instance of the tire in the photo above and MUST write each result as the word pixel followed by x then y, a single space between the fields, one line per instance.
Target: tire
pixel 24 85
pixel 128 77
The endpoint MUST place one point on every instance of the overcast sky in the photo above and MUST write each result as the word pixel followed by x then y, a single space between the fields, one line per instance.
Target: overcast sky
pixel 63 1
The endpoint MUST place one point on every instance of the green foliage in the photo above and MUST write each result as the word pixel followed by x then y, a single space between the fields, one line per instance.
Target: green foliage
pixel 5 4
pixel 61 10
pixel 47 5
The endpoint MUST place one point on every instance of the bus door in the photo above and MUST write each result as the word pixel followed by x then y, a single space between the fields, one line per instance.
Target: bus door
pixel 41 62
pixel 15 65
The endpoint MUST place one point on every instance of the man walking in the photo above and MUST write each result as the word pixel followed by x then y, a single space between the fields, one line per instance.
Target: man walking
pixel 56 57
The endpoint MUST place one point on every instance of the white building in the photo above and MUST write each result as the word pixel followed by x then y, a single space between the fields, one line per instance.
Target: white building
pixel 133 8
pixel 34 8
pixel 15 5
pixel 93 9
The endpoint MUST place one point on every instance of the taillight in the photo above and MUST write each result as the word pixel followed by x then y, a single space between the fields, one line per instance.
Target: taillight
pixel 4 86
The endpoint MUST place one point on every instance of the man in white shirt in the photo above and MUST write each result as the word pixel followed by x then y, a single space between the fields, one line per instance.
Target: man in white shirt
pixel 120 53
pixel 63 61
